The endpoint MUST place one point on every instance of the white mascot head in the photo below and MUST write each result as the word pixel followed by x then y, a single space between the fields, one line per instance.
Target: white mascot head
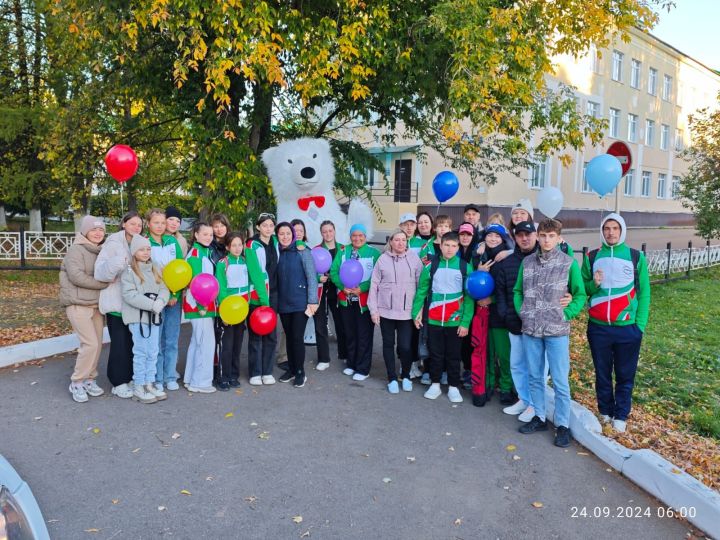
pixel 302 175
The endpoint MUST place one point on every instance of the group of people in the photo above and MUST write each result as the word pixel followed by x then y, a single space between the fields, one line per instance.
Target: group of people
pixel 415 290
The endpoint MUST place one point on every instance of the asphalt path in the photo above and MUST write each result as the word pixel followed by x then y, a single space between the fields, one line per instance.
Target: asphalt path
pixel 335 459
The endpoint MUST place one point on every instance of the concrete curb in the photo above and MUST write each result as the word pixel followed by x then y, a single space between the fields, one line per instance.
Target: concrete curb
pixel 689 497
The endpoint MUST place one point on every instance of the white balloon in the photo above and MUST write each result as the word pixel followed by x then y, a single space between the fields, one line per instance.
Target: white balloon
pixel 550 201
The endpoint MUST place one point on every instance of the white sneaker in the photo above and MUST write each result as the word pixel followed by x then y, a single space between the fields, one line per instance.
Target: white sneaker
pixel 140 393
pixel 173 385
pixel 92 388
pixel 268 379
pixel 527 414
pixel 605 419
pixel 415 371
pixel 122 391
pixel 202 389
pixel 619 425
pixel 322 366
pixel 359 377
pixel 407 385
pixel 157 391
pixel 256 381
pixel 349 371
pixel 454 395
pixel 78 392
pixel 433 392
pixel 515 409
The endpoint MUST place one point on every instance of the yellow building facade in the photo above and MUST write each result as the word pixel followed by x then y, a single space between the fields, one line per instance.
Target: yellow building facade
pixel 646 89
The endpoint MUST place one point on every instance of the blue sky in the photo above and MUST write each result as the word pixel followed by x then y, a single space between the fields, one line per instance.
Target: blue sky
pixel 692 27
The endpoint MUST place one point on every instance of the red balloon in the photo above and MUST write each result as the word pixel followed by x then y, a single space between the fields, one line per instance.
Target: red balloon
pixel 121 162
pixel 263 320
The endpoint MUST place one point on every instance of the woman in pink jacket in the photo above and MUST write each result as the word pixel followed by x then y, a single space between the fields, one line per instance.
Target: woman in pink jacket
pixel 392 290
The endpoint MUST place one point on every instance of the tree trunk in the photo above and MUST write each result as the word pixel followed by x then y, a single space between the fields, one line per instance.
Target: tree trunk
pixel 261 118
pixel 77 218
pixel 3 220
pixel 35 220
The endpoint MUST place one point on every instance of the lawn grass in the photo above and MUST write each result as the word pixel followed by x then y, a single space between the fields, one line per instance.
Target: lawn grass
pixel 679 372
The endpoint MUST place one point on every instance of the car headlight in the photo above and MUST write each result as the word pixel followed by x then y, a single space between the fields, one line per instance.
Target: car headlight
pixel 13 522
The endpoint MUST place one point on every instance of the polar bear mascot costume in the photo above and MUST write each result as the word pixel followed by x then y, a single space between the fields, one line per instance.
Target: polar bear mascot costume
pixel 302 175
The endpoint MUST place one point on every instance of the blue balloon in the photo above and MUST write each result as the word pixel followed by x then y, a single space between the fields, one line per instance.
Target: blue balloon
pixel 603 173
pixel 480 284
pixel 445 185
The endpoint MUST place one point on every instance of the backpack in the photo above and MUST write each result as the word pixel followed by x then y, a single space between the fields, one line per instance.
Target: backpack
pixel 635 256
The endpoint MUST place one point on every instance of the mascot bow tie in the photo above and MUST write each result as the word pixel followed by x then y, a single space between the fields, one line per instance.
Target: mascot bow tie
pixel 304 202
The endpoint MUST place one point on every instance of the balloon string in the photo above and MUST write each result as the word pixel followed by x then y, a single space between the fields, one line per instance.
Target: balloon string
pixel 122 211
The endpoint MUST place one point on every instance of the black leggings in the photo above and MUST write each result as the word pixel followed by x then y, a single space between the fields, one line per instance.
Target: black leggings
pixel 388 328
pixel 294 325
pixel 120 357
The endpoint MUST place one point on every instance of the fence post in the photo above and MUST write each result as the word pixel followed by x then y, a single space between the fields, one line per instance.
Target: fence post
pixel 707 248
pixel 22 247
pixel 687 273
pixel 667 269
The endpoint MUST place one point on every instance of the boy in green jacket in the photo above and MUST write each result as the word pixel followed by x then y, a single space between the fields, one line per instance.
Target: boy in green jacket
pixel 451 311
pixel 543 279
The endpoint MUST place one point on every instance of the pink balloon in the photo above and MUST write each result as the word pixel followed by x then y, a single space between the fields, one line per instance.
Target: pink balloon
pixel 204 288
pixel 121 162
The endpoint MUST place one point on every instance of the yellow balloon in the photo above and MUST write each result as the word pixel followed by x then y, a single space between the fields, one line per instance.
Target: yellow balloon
pixel 234 310
pixel 177 274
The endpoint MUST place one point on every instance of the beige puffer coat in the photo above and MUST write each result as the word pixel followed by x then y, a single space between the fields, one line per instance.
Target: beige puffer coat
pixel 78 286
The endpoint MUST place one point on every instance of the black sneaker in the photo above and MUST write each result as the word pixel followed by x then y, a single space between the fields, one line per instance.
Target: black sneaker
pixel 506 398
pixel 479 401
pixel 284 365
pixel 562 437
pixel 234 383
pixel 300 380
pixel 286 377
pixel 534 425
pixel 223 386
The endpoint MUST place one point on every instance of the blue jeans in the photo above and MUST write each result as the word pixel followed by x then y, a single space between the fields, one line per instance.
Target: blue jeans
pixel 169 332
pixel 557 352
pixel 519 369
pixel 145 352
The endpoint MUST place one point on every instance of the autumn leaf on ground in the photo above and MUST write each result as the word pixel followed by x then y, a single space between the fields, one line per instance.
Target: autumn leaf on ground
pixel 457 522
pixel 175 436
pixel 265 435
pixel 185 492
pixel 229 415
pixel 452 449
pixel 511 448
pixel 136 451
pixel 161 508
pixel 297 519
pixel 251 499
pixel 516 458
pixel 387 480
pixel 306 534
pixel 115 501
pixel 93 530
pixel 411 459
pixel 537 504
pixel 96 430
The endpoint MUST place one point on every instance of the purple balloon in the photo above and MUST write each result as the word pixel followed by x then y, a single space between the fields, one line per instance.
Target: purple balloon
pixel 204 288
pixel 351 273
pixel 322 259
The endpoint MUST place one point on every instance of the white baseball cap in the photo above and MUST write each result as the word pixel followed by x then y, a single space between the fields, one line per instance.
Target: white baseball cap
pixel 408 217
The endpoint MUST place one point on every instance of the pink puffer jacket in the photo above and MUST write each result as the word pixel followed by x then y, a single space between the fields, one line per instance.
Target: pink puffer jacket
pixel 393 285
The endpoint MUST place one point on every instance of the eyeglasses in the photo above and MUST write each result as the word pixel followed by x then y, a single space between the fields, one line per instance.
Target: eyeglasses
pixel 266 215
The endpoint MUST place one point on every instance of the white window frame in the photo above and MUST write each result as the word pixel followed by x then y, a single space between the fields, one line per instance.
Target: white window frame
pixel 646 182
pixel 614 124
pixel 617 66
pixel 667 87
pixel 664 136
pixel 632 127
pixel 535 180
pixel 592 108
pixel 678 140
pixel 629 187
pixel 652 81
pixel 594 59
pixel 585 186
pixel 675 188
pixel 662 185
pixel 635 69
pixel 649 132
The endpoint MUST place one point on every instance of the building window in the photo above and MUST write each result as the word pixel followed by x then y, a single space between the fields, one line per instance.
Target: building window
pixel 652 81
pixel 676 187
pixel 662 178
pixel 635 73
pixel 594 56
pixel 614 122
pixel 585 184
pixel 632 127
pixel 403 180
pixel 593 109
pixel 678 140
pixel 649 132
pixel 617 66
pixel 629 180
pixel 537 174
pixel 664 136
pixel 646 180
pixel 667 87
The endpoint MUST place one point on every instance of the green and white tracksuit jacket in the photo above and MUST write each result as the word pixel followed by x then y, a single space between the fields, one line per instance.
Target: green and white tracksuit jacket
pixel 367 255
pixel 450 305
pixel 236 277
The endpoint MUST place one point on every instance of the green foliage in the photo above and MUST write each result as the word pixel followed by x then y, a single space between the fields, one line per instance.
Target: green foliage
pixel 700 187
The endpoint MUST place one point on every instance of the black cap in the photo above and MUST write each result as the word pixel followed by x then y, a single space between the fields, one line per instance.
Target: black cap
pixel 471 206
pixel 524 226
pixel 171 211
